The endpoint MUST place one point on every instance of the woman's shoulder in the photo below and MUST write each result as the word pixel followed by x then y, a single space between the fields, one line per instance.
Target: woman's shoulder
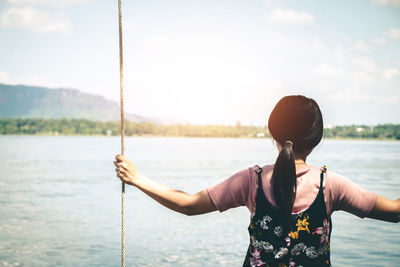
pixel 346 195
pixel 335 179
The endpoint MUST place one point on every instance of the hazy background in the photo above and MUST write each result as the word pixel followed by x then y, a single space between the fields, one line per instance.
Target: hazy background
pixel 212 61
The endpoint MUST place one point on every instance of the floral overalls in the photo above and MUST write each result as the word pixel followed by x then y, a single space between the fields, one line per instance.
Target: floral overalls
pixel 306 245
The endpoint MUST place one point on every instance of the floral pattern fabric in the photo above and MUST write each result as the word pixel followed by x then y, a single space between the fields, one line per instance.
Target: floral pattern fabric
pixel 307 243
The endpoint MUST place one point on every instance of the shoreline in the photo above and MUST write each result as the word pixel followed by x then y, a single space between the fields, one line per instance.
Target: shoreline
pixel 183 136
pixel 82 127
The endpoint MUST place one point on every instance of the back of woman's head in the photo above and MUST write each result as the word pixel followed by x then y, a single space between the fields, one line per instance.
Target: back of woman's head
pixel 296 124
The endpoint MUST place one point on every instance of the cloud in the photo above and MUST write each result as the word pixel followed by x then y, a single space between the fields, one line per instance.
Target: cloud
pixel 27 15
pixel 365 63
pixel 355 95
pixel 319 44
pixel 395 3
pixel 272 3
pixel 35 20
pixel 361 78
pixel 54 3
pixel 327 70
pixel 379 41
pixel 360 46
pixel 289 16
pixel 393 33
pixel 390 73
pixel 350 95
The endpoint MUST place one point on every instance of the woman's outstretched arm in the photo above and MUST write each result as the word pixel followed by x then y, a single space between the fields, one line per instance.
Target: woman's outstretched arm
pixel 173 199
pixel 386 210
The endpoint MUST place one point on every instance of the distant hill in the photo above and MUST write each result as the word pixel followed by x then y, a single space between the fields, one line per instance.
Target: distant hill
pixel 19 101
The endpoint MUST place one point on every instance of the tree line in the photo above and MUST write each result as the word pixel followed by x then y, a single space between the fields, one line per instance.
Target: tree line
pixel 112 128
pixel 381 131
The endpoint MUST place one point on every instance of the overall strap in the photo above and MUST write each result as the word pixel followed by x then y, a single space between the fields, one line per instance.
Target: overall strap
pixel 323 171
pixel 261 200
pixel 259 171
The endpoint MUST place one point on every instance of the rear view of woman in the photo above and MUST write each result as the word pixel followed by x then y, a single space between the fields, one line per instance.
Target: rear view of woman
pixel 290 202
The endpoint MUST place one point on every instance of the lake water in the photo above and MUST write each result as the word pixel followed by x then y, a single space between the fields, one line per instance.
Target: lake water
pixel 60 201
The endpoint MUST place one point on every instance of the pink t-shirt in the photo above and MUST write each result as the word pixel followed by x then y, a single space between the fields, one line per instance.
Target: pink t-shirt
pixel 339 192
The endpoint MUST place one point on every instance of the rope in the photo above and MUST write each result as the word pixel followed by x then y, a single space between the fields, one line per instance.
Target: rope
pixel 121 92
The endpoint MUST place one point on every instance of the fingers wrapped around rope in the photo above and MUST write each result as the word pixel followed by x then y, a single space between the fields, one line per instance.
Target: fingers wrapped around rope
pixel 121 172
pixel 121 164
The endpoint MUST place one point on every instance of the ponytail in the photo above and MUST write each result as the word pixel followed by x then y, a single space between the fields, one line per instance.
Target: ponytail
pixel 284 184
pixel 298 119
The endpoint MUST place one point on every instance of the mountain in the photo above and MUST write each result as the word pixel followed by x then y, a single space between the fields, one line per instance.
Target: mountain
pixel 20 101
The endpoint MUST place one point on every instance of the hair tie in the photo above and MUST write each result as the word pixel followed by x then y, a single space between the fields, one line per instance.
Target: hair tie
pixel 290 142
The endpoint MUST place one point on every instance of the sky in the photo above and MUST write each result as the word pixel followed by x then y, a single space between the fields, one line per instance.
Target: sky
pixel 212 61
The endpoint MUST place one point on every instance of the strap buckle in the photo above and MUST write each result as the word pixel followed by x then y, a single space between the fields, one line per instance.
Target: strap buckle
pixel 258 170
pixel 324 169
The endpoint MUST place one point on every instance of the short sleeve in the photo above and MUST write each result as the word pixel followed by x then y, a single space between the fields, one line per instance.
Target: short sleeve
pixel 231 193
pixel 347 196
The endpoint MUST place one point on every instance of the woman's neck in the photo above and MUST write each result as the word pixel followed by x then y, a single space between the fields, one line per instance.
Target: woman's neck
pixel 300 163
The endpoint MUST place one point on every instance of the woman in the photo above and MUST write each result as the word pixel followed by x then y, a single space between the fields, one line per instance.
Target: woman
pixel 290 202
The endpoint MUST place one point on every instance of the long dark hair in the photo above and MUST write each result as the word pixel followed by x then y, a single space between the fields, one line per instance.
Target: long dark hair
pixel 296 124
